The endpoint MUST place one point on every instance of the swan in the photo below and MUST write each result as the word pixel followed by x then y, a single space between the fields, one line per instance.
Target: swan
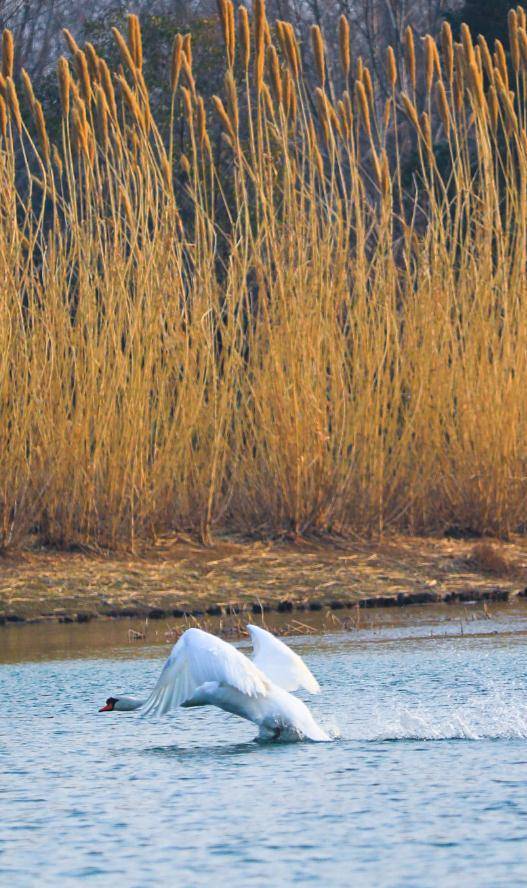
pixel 203 670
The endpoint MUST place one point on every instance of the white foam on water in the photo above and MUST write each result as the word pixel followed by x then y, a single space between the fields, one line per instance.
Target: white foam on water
pixel 489 719
pixel 333 731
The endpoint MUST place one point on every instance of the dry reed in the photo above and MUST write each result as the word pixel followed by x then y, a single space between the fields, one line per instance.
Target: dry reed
pixel 345 354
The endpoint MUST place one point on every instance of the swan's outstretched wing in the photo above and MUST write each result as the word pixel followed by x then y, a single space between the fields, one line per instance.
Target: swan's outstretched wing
pixel 195 659
pixel 279 663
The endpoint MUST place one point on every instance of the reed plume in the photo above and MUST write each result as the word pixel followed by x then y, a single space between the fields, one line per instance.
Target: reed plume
pixel 8 53
pixel 244 31
pixel 391 66
pixel 409 46
pixel 344 45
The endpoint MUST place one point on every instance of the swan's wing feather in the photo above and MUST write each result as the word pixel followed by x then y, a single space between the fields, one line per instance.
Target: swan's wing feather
pixel 212 659
pixel 279 663
pixel 199 657
pixel 174 682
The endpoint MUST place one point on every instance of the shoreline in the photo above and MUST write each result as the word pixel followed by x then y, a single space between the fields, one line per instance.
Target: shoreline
pixel 129 637
pixel 180 579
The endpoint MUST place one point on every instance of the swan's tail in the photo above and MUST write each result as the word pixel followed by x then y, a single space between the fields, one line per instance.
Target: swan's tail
pixel 316 734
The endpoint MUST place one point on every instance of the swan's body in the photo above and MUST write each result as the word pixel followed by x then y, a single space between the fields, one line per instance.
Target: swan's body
pixel 203 670
pixel 278 714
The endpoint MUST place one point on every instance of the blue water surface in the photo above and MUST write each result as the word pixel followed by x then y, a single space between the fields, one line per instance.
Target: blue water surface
pixel 426 786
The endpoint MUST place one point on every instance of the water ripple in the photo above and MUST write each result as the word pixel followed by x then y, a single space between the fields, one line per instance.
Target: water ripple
pixel 427 780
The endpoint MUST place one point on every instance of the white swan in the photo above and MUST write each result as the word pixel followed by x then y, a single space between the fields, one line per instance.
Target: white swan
pixel 203 670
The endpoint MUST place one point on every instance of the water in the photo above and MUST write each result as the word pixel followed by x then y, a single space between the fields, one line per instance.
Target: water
pixel 427 784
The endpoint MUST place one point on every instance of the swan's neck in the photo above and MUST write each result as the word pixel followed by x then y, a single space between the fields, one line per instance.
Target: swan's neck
pixel 127 704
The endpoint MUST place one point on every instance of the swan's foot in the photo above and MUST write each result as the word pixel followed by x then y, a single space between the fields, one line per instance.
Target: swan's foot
pixel 278 734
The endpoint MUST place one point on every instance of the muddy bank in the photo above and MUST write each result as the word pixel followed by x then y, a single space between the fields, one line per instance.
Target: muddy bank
pixel 181 579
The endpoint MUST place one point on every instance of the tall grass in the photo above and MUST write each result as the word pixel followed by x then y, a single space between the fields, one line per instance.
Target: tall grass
pixel 277 330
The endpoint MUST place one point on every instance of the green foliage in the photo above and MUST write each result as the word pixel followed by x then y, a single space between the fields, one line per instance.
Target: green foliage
pixel 486 17
pixel 158 32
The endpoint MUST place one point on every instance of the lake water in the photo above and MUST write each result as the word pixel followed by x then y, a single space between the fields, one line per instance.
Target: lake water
pixel 427 784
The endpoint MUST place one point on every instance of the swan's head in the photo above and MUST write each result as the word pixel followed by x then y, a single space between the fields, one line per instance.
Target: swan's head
pixel 121 704
pixel 110 705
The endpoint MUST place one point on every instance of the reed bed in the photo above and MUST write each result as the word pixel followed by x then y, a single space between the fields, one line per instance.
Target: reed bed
pixel 276 329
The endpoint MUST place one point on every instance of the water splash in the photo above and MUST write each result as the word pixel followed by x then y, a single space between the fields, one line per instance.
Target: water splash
pixel 333 731
pixel 491 719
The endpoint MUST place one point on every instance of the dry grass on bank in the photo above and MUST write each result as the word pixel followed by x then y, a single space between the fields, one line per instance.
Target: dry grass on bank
pixel 282 335
pixel 178 576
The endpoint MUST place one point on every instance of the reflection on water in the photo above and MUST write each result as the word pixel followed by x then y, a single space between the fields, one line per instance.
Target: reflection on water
pixel 206 752
pixel 428 780
pixel 111 638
